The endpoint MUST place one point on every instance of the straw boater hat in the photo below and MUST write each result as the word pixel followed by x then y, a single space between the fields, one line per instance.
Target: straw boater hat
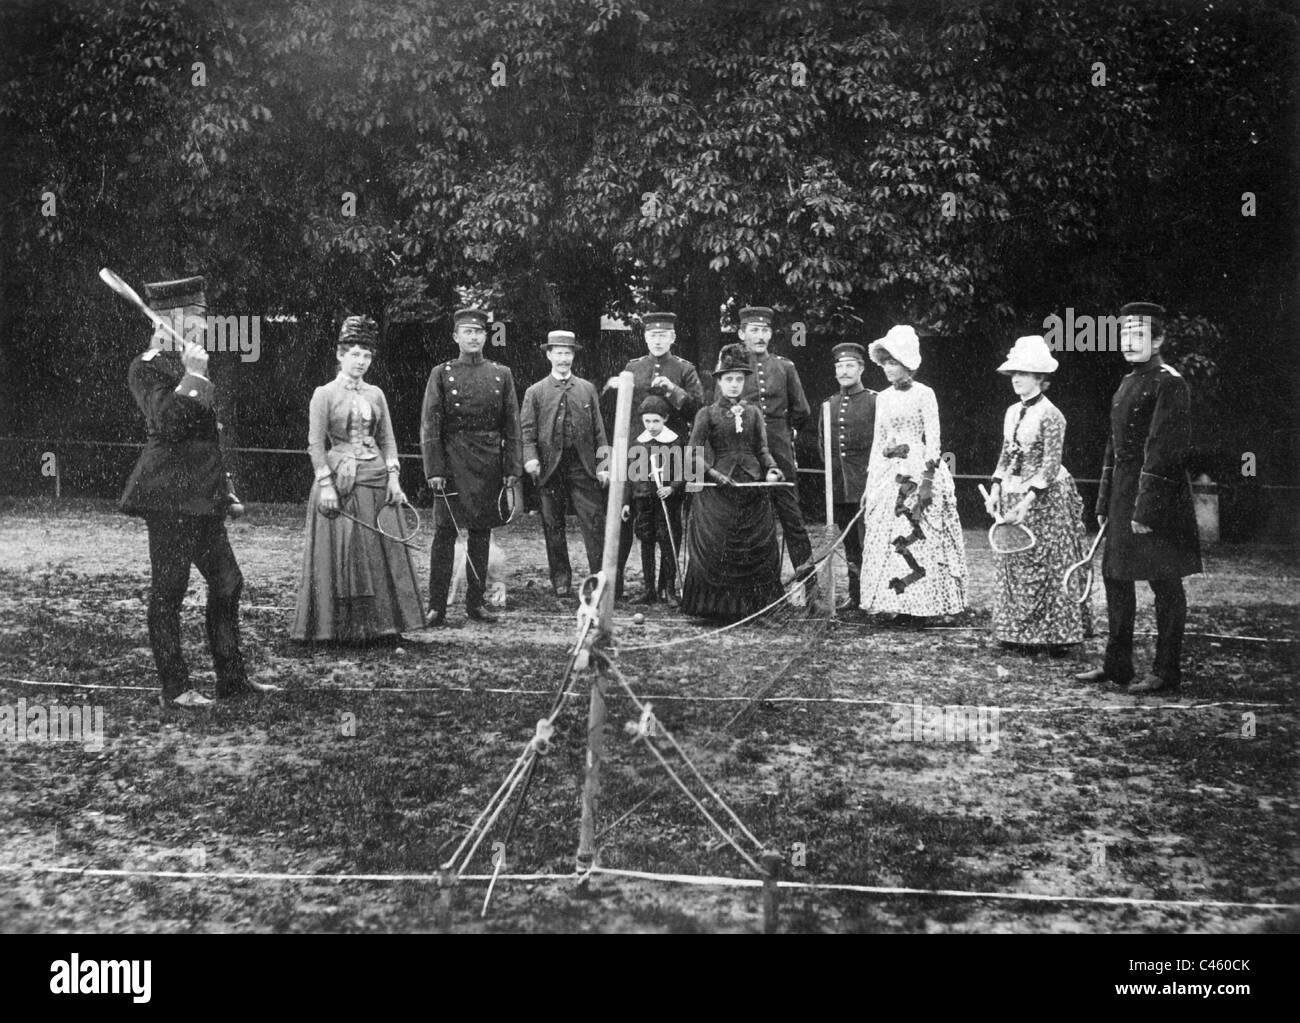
pixel 733 359
pixel 561 339
pixel 1029 355
pixel 902 343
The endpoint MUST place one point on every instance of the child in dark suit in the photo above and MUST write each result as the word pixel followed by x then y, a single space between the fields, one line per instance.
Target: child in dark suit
pixel 656 474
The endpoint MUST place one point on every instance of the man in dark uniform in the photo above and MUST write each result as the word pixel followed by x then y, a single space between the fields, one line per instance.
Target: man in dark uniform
pixel 1147 501
pixel 853 425
pixel 666 376
pixel 775 388
pixel 563 433
pixel 469 436
pixel 180 488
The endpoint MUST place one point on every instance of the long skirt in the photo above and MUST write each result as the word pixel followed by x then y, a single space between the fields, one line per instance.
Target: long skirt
pixel 912 563
pixel 356 585
pixel 1029 606
pixel 735 567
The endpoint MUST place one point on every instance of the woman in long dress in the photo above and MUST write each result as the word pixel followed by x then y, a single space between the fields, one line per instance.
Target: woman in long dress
pixel 1031 486
pixel 735 560
pixel 357 585
pixel 914 555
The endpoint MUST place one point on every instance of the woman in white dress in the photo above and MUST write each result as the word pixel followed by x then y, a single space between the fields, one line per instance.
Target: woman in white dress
pixel 914 555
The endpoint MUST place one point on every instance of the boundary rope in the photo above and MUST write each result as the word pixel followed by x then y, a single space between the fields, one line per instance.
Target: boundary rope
pixel 705 880
pixel 674 698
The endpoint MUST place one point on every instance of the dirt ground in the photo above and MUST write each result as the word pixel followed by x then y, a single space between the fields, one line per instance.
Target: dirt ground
pixel 373 760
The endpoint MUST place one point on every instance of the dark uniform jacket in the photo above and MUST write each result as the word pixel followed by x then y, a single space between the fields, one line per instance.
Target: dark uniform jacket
pixel 685 396
pixel 544 429
pixel 853 425
pixel 1144 477
pixel 180 471
pixel 775 389
pixel 469 433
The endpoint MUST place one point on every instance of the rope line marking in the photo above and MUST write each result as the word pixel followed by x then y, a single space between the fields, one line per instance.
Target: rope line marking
pixel 716 881
pixel 846 700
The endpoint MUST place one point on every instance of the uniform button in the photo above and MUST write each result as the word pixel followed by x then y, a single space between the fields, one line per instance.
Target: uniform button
pixel 454 391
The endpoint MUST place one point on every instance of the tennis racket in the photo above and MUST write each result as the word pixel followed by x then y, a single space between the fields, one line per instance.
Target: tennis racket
pixel 1008 537
pixel 1079 577
pixel 397 522
pixel 506 505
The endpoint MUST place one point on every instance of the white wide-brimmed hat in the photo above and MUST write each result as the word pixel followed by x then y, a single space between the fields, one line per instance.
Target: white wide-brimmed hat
pixel 902 343
pixel 1030 354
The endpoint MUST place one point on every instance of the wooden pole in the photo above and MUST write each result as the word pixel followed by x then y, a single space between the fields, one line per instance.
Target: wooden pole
pixel 828 446
pixel 771 892
pixel 609 568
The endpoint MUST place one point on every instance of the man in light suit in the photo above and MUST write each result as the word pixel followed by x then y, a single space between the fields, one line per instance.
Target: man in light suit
pixel 562 434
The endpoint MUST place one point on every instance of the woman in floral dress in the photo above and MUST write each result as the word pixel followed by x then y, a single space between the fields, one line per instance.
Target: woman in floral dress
pixel 1031 486
pixel 914 555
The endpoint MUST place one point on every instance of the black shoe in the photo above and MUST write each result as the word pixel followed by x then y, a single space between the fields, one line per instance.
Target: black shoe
pixel 1092 675
pixel 481 614
pixel 648 597
pixel 435 618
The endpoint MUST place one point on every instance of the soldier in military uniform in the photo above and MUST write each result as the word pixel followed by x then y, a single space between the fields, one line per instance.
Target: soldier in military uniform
pixel 563 433
pixel 1146 499
pixel 775 388
pixel 180 488
pixel 470 439
pixel 853 424
pixel 666 376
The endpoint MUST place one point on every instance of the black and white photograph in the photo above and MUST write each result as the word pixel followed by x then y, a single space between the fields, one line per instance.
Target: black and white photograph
pixel 650 466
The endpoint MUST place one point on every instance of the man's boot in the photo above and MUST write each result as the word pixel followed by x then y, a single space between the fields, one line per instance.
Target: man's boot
pixel 647 570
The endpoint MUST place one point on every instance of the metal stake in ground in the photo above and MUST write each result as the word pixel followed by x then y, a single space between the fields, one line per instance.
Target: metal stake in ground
pixel 609 569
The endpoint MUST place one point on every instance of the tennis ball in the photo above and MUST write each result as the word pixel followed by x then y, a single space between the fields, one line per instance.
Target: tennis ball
pixel 638 619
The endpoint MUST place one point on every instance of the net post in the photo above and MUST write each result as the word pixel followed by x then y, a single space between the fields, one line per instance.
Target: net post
pixel 605 625
pixel 771 891
pixel 829 483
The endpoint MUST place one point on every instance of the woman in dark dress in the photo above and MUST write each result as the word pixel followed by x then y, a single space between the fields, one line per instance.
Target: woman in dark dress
pixel 735 560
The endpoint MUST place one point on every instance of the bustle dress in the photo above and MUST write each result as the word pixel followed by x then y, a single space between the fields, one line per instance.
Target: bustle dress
pixel 731 541
pixel 1029 606
pixel 356 585
pixel 913 563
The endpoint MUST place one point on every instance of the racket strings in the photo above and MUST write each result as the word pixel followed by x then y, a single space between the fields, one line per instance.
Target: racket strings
pixel 1010 538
